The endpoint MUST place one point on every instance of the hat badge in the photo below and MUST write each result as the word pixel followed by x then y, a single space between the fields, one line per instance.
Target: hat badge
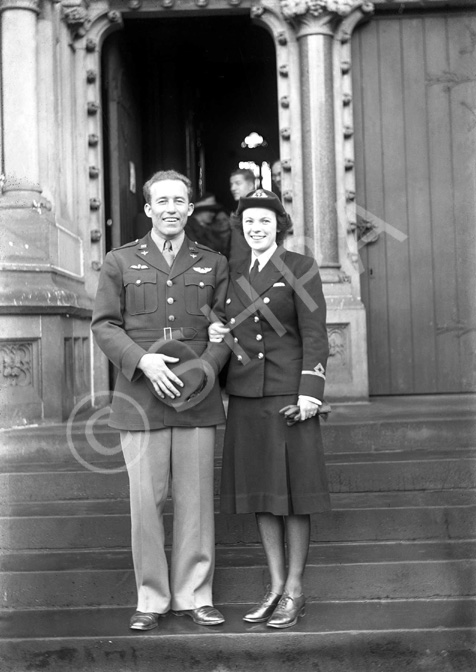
pixel 260 194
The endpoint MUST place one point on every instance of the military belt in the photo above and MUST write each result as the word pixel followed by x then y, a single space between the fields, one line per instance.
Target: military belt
pixel 168 333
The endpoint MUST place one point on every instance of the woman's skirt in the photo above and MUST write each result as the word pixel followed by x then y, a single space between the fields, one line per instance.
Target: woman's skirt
pixel 268 466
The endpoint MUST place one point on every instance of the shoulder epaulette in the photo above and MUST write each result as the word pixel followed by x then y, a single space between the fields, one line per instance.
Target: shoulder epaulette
pixel 129 244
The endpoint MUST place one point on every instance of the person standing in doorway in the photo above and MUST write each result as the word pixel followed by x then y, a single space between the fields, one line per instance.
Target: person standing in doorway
pixel 204 227
pixel 276 177
pixel 242 182
pixel 273 462
pixel 148 318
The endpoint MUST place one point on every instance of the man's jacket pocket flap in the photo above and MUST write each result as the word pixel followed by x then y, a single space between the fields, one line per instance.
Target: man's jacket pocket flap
pixel 139 277
pixel 200 280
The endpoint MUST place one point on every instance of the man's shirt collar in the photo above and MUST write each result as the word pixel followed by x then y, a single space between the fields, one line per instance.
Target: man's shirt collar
pixel 160 240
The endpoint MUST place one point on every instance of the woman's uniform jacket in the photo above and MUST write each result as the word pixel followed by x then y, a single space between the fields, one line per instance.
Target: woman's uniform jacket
pixel 138 296
pixel 279 335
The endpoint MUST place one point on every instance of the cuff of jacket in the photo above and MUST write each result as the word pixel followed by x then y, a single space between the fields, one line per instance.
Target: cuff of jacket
pixel 130 360
pixel 312 386
pixel 217 355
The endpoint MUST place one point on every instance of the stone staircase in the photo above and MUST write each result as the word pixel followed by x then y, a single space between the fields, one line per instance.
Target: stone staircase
pixel 391 578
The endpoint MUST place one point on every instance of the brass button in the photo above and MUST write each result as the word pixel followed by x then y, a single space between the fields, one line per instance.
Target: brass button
pixel 138 282
pixel 259 337
pixel 232 321
pixel 235 339
pixel 201 284
pixel 239 358
pixel 171 318
pixel 169 283
pixel 266 299
pixel 228 300
pixel 256 318
pixel 170 300
pixel 260 355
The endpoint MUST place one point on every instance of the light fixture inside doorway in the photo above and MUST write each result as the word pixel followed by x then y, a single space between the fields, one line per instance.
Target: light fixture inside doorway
pixel 261 171
pixel 254 140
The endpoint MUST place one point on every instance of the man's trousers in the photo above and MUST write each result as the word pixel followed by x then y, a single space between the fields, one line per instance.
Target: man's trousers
pixel 184 456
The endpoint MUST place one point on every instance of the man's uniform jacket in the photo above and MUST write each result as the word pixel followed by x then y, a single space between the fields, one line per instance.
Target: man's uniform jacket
pixel 279 334
pixel 139 295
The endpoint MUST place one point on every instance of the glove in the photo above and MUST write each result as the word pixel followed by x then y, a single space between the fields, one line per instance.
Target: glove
pixel 292 413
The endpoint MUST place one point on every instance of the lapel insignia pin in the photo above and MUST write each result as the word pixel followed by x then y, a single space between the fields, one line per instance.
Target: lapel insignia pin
pixel 143 245
pixel 199 269
pixel 139 267
pixel 144 252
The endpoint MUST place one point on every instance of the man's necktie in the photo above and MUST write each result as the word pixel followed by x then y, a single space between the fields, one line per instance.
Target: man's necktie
pixel 254 272
pixel 168 252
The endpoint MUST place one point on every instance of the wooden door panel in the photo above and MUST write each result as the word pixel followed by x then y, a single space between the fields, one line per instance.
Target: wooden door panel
pixel 441 184
pixel 462 93
pixel 415 121
pixel 369 186
pixel 124 131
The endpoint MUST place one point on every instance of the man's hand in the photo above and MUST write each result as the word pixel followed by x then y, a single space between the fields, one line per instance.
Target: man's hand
pixel 163 379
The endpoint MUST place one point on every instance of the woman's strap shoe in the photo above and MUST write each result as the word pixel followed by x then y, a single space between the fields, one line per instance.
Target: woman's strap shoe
pixel 288 611
pixel 142 620
pixel 264 609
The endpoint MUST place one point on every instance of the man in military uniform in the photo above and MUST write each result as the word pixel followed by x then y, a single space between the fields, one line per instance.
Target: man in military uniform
pixel 151 289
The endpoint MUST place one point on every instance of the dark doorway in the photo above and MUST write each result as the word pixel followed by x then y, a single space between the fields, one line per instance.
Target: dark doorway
pixel 183 93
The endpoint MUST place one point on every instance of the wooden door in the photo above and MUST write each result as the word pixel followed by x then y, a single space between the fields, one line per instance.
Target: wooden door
pixel 415 137
pixel 123 140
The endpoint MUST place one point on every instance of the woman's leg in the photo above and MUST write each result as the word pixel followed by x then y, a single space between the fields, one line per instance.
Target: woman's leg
pixel 298 530
pixel 271 529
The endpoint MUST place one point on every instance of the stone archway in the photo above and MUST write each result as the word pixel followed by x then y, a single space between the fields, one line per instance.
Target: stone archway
pixel 53 188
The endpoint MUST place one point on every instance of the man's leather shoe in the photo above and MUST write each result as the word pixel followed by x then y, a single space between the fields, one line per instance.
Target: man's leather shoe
pixel 142 620
pixel 203 615
pixel 287 612
pixel 264 609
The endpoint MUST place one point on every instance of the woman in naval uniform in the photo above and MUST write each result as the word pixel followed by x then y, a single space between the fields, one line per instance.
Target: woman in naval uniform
pixel 273 462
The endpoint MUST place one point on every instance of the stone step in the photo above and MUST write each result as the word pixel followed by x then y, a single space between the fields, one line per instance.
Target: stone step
pixel 438 515
pixel 357 516
pixel 354 636
pixel 59 445
pixel 351 472
pixel 334 572
pixel 383 424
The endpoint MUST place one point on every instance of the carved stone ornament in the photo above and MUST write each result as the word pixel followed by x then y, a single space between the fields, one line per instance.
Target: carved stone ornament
pixel 76 16
pixel 295 8
pixel 16 364
pixel 337 342
pixel 321 12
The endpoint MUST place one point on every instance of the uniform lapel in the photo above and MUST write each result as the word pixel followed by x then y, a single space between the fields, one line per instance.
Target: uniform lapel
pixel 239 276
pixel 149 253
pixel 265 279
pixel 270 273
pixel 188 255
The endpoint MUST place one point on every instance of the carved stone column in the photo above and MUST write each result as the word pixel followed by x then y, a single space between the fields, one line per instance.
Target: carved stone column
pixel 315 22
pixel 20 111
